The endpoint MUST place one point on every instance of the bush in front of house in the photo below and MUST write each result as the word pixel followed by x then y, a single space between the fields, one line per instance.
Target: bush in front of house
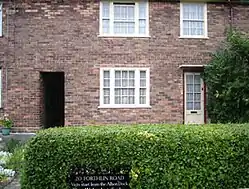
pixel 159 156
pixel 227 80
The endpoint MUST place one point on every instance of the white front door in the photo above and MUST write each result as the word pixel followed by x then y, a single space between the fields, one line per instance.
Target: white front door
pixel 194 98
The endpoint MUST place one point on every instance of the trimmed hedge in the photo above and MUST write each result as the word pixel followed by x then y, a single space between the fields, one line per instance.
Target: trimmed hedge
pixel 160 156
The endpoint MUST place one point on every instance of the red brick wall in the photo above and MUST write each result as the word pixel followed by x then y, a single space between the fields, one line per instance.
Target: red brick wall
pixel 64 37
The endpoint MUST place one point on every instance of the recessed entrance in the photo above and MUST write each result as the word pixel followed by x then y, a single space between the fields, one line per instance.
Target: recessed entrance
pixel 52 99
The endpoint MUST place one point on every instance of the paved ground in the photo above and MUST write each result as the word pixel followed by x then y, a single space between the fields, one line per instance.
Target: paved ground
pixel 15 184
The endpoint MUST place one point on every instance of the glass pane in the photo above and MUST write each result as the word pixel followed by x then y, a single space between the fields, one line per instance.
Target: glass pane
pixel 117 74
pixel 197 79
pixel 197 105
pixel 105 9
pixel 118 92
pixel 142 92
pixel 106 100
pixel 124 91
pixel 142 100
pixel 117 82
pixel 142 10
pixel 106 92
pixel 189 79
pixel 197 88
pixel 197 97
pixel 117 100
pixel 189 105
pixel 189 88
pixel 142 83
pixel 189 97
pixel 106 74
pixel 193 11
pixel 131 100
pixel 131 92
pixel 142 74
pixel 124 82
pixel 131 82
pixel 124 74
pixel 131 28
pixel 124 12
pixel 106 82
pixel 142 26
pixel 106 26
pixel 193 28
pixel 131 74
pixel 124 99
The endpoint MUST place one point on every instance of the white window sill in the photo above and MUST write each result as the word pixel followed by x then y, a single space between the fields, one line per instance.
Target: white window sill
pixel 124 36
pixel 124 107
pixel 193 37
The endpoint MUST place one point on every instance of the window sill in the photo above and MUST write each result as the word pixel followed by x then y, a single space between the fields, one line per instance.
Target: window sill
pixel 124 36
pixel 123 107
pixel 193 37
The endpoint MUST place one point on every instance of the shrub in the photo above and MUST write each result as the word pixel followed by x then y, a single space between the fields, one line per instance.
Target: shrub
pixel 227 79
pixel 15 161
pixel 12 144
pixel 160 156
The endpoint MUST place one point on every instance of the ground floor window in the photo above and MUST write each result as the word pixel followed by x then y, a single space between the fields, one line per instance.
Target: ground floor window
pixel 124 87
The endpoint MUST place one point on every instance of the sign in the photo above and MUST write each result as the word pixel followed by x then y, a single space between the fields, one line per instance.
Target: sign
pixel 80 178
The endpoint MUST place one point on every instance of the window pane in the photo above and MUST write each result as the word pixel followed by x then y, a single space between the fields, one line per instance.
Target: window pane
pixel 106 82
pixel 189 79
pixel 131 74
pixel 124 82
pixel 142 26
pixel 117 74
pixel 106 26
pixel 106 92
pixel 190 97
pixel 189 88
pixel 197 88
pixel 118 92
pixel 117 100
pixel 124 27
pixel 142 100
pixel 131 100
pixel 142 74
pixel 105 9
pixel 124 12
pixel 106 100
pixel 106 74
pixel 131 92
pixel 193 11
pixel 117 82
pixel 197 79
pixel 142 92
pixel 124 74
pixel 142 10
pixel 197 97
pixel 189 105
pixel 197 105
pixel 132 83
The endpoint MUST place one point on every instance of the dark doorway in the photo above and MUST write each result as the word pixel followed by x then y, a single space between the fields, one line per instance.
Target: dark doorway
pixel 53 99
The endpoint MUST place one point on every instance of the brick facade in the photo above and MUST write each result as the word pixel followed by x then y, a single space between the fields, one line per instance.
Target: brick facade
pixel 63 36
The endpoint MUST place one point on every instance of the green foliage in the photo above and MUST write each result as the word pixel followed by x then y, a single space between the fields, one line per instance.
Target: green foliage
pixel 160 156
pixel 11 145
pixel 15 161
pixel 227 79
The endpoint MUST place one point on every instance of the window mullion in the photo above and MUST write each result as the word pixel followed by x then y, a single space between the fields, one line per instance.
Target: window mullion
pixel 112 86
pixel 136 18
pixel 137 86
pixel 111 16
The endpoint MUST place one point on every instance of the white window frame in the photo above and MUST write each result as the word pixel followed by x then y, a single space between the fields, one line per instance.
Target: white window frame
pixel 111 28
pixel 137 87
pixel 205 22
pixel 1 19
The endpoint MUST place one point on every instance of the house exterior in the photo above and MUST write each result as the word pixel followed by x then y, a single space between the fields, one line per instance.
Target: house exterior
pixel 109 62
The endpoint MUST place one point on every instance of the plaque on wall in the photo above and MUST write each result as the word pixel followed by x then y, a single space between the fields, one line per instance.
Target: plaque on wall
pixel 81 178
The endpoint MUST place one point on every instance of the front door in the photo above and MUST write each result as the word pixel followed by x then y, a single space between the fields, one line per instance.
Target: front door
pixel 194 98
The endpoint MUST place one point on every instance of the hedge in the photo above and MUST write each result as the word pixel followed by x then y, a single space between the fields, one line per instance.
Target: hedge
pixel 159 156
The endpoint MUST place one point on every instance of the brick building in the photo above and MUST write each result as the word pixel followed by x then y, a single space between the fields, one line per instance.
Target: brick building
pixel 98 62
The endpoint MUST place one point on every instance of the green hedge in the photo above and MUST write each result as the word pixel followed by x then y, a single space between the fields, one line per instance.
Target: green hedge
pixel 160 156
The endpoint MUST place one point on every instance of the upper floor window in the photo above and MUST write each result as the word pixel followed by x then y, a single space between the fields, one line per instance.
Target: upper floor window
pixel 129 18
pixel 193 20
pixel 1 21
pixel 124 87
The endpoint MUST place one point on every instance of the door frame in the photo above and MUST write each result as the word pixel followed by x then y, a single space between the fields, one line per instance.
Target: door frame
pixel 204 94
